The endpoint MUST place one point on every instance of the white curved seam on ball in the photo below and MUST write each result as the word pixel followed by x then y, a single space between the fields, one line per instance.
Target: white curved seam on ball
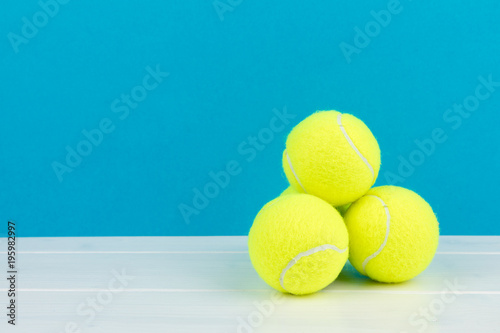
pixel 293 171
pixel 367 260
pixel 292 262
pixel 348 138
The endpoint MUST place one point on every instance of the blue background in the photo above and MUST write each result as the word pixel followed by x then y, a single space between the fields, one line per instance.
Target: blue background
pixel 228 73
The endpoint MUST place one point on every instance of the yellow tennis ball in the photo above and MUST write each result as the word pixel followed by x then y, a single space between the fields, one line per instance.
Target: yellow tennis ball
pixel 291 190
pixel 298 244
pixel 343 209
pixel 393 234
pixel 333 156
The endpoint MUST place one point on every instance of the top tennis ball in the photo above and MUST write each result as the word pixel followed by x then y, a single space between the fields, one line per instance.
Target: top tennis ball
pixel 333 156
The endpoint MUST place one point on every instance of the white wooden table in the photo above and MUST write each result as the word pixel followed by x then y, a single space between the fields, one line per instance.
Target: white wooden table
pixel 207 284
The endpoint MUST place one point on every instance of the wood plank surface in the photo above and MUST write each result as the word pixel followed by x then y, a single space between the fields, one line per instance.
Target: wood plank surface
pixel 207 284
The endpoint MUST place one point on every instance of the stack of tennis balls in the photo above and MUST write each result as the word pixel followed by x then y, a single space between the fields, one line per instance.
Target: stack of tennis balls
pixel 300 241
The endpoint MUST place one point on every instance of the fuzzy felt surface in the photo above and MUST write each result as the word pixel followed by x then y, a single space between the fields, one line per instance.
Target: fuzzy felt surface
pixel 290 225
pixel 325 162
pixel 412 240
pixel 291 190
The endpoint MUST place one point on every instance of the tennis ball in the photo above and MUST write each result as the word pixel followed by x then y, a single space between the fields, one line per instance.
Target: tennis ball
pixel 333 156
pixel 343 209
pixel 291 190
pixel 298 244
pixel 393 234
